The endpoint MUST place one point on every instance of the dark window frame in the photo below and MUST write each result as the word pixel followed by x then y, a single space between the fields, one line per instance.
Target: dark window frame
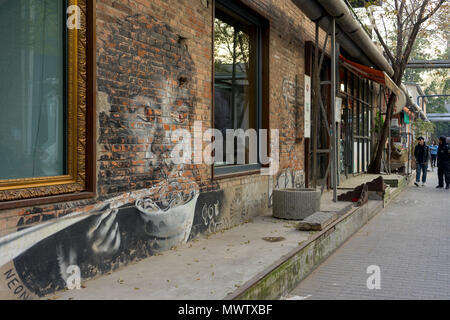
pixel 262 88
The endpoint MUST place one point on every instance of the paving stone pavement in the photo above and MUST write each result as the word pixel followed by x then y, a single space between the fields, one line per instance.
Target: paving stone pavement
pixel 409 241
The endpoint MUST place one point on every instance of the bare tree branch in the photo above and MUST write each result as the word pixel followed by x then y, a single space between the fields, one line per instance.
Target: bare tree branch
pixel 380 38
pixel 398 12
pixel 408 18
pixel 385 29
pixel 432 12
pixel 411 15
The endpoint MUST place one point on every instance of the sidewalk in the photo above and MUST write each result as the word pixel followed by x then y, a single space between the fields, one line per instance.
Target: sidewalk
pixel 212 267
pixel 409 242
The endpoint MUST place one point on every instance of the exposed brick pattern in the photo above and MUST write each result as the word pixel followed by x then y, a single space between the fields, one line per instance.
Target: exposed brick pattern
pixel 154 53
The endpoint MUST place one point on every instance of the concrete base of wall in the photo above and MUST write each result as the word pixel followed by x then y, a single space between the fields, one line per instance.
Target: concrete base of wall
pixel 285 274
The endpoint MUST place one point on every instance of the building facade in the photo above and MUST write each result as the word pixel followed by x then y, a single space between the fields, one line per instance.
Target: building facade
pixel 95 96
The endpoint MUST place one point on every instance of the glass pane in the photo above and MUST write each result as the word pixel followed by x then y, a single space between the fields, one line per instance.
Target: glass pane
pixel 31 88
pixel 235 84
pixel 342 143
pixel 361 151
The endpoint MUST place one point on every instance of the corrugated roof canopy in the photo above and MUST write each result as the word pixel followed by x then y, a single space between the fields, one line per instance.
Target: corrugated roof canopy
pixel 377 76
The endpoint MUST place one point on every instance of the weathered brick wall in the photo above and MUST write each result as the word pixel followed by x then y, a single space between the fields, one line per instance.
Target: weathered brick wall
pixel 122 163
pixel 154 71
pixel 124 166
pixel 154 66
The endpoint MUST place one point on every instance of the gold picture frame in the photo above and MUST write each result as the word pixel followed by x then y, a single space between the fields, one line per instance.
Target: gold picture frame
pixel 75 180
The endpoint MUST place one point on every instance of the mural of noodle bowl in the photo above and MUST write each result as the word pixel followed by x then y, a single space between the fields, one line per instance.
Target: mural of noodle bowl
pixel 168 227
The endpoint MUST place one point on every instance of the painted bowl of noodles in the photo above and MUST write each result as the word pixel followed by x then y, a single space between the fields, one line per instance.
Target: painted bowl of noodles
pixel 168 220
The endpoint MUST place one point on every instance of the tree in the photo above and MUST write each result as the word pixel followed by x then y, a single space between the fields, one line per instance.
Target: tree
pixel 432 43
pixel 423 128
pixel 416 75
pixel 364 3
pixel 409 18
pixel 231 47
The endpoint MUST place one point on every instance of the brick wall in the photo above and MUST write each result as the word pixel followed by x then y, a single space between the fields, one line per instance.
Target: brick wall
pixel 135 56
pixel 154 70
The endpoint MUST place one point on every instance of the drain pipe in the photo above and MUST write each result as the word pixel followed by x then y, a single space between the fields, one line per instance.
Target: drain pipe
pixel 316 13
pixel 353 28
pixel 333 109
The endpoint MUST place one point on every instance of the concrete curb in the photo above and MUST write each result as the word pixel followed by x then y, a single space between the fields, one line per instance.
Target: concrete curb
pixel 401 185
pixel 286 273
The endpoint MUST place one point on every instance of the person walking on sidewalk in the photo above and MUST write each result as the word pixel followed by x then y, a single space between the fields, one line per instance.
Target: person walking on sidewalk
pixel 433 150
pixel 443 163
pixel 421 153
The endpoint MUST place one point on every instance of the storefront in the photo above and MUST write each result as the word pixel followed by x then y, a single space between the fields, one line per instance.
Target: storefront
pixel 364 93
pixel 357 94
pixel 361 95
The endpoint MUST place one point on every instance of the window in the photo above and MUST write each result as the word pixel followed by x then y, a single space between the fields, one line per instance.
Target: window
pixel 32 62
pixel 45 101
pixel 237 82
pixel 356 135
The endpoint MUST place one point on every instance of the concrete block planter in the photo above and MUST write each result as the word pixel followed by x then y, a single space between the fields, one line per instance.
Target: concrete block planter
pixel 295 204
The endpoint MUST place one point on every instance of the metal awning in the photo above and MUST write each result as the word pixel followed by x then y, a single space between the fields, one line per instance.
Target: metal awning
pixel 377 76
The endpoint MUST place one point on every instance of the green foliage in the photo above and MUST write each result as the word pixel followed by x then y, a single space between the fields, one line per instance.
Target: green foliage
pixel 379 122
pixel 422 128
pixel 439 85
pixel 442 129
pixel 424 48
pixel 231 45
pixel 364 3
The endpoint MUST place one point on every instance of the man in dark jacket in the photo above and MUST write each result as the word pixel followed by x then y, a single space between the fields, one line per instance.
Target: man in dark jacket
pixel 421 153
pixel 443 163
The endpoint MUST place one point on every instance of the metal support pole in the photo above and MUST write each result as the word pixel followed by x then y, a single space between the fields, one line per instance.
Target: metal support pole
pixel 408 149
pixel 333 110
pixel 389 150
pixel 338 121
pixel 316 86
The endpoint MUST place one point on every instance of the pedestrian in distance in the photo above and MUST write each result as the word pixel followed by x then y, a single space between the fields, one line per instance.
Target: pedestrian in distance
pixel 421 154
pixel 434 150
pixel 443 163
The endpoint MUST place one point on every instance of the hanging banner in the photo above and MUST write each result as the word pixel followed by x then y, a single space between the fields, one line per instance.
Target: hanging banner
pixel 307 133
pixel 406 118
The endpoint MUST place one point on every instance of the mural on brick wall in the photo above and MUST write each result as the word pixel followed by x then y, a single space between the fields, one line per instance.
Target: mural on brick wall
pixel 36 260
pixel 145 83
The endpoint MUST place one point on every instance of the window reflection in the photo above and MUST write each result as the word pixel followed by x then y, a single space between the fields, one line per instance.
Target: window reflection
pixel 235 77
